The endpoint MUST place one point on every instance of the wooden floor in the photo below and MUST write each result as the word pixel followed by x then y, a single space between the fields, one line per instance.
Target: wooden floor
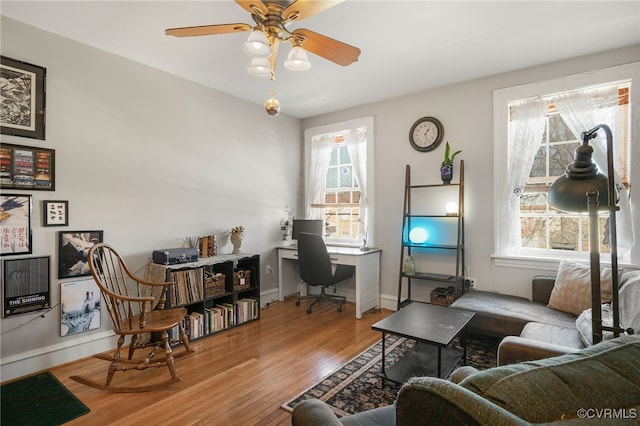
pixel 238 377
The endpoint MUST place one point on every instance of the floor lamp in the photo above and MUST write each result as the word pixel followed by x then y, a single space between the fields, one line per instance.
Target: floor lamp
pixel 579 190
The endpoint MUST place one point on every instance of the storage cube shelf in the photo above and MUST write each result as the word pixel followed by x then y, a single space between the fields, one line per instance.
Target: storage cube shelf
pixel 218 292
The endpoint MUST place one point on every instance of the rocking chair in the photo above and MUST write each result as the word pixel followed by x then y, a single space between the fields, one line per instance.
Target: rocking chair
pixel 135 316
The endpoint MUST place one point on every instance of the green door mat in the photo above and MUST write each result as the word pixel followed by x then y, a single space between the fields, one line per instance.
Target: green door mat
pixel 39 400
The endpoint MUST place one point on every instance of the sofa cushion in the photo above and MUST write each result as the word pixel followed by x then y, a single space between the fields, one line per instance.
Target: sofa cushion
pixel 585 327
pixel 564 336
pixel 504 315
pixel 572 290
pixel 606 380
pixel 630 300
pixel 480 382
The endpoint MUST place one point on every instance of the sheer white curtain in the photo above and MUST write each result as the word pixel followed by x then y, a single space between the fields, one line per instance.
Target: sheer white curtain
pixel 357 147
pixel 582 110
pixel 321 147
pixel 526 129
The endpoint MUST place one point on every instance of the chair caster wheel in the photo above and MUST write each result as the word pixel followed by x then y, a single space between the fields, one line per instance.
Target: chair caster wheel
pixel 339 308
pixel 297 303
pixel 308 311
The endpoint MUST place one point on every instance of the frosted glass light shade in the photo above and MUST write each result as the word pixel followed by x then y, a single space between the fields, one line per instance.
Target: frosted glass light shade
pixel 418 235
pixel 257 45
pixel 297 60
pixel 259 67
pixel 451 208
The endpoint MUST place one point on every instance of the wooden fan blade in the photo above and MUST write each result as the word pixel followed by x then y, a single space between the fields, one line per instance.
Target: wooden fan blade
pixel 328 48
pixel 254 7
pixel 303 9
pixel 208 30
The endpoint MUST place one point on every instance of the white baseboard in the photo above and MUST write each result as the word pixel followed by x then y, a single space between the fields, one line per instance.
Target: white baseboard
pixel 42 358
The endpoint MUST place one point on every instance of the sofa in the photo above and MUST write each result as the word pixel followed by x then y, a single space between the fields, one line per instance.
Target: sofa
pixel 558 318
pixel 599 382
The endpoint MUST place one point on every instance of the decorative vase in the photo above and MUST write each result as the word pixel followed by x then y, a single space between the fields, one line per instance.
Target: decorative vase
pixel 409 266
pixel 236 240
pixel 446 173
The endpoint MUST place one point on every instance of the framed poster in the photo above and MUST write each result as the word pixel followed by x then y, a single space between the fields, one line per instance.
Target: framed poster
pixel 25 283
pixel 55 213
pixel 15 224
pixel 79 307
pixel 74 248
pixel 25 167
pixel 22 90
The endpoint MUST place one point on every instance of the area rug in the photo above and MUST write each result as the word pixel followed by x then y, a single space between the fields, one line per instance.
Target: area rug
pixel 357 386
pixel 39 400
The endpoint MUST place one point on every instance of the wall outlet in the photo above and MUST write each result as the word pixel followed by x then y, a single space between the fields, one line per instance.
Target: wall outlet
pixel 269 269
pixel 470 282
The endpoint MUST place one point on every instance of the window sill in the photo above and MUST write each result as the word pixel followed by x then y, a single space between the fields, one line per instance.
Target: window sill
pixel 547 263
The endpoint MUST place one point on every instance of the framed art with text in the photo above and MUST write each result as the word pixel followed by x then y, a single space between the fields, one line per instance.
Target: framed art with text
pixel 74 250
pixel 25 167
pixel 25 283
pixel 23 98
pixel 15 224
pixel 55 213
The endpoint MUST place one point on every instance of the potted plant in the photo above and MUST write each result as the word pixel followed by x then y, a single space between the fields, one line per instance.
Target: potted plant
pixel 446 168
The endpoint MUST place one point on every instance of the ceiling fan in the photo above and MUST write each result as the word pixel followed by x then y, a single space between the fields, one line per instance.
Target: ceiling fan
pixel 271 18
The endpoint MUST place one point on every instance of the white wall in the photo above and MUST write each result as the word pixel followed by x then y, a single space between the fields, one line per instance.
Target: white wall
pixel 466 111
pixel 148 158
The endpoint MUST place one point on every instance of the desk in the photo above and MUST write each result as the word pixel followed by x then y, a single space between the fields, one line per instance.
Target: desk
pixel 365 263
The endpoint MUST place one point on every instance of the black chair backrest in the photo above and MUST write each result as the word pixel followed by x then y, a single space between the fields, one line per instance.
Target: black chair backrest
pixel 313 260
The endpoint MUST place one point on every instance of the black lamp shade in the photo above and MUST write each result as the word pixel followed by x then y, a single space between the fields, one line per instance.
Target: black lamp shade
pixel 569 192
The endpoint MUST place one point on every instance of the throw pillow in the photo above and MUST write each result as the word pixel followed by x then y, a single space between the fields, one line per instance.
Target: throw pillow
pixel 572 290
pixel 585 326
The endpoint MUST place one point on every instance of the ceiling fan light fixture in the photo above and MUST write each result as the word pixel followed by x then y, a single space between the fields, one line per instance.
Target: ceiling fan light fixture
pixel 259 67
pixel 297 59
pixel 257 45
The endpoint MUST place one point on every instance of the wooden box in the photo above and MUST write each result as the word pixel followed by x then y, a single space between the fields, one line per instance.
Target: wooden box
pixel 213 285
pixel 443 296
pixel 241 279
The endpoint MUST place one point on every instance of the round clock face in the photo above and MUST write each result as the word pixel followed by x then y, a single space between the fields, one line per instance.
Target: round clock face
pixel 426 134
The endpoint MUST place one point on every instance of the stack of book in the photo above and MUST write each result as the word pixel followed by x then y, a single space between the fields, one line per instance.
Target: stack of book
pixel 208 246
pixel 186 288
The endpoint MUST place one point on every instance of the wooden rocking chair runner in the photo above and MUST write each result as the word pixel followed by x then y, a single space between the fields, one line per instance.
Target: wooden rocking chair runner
pixel 135 316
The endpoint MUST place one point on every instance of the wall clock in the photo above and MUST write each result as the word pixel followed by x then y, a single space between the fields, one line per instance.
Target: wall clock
pixel 426 134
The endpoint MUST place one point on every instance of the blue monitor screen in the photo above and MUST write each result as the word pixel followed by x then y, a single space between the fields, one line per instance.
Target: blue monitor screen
pixel 314 226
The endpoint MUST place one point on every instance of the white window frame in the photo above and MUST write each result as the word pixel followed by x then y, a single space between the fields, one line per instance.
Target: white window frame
pixel 501 99
pixel 369 200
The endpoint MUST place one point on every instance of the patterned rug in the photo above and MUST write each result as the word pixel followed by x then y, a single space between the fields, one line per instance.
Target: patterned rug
pixel 357 387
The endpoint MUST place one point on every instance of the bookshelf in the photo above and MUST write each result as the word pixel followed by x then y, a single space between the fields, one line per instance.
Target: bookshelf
pixel 219 292
pixel 430 235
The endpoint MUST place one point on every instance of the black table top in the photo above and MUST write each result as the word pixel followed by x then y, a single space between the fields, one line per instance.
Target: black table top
pixel 425 322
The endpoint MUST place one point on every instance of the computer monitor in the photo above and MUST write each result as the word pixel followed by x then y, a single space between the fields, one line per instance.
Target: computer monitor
pixel 314 226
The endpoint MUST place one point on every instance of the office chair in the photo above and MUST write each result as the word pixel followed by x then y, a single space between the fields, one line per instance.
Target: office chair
pixel 316 270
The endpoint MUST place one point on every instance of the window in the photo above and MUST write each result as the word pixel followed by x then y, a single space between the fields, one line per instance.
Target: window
pixel 536 142
pixel 338 179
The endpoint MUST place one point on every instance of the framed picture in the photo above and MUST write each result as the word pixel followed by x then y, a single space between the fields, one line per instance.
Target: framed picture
pixel 25 167
pixel 79 307
pixel 55 213
pixel 74 249
pixel 25 283
pixel 15 224
pixel 23 98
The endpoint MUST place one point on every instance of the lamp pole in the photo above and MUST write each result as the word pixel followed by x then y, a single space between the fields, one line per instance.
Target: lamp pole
pixel 578 190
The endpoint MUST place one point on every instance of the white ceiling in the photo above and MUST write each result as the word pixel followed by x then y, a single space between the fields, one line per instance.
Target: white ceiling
pixel 407 46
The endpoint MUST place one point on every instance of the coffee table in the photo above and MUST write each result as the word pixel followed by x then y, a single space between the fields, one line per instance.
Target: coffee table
pixel 433 328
